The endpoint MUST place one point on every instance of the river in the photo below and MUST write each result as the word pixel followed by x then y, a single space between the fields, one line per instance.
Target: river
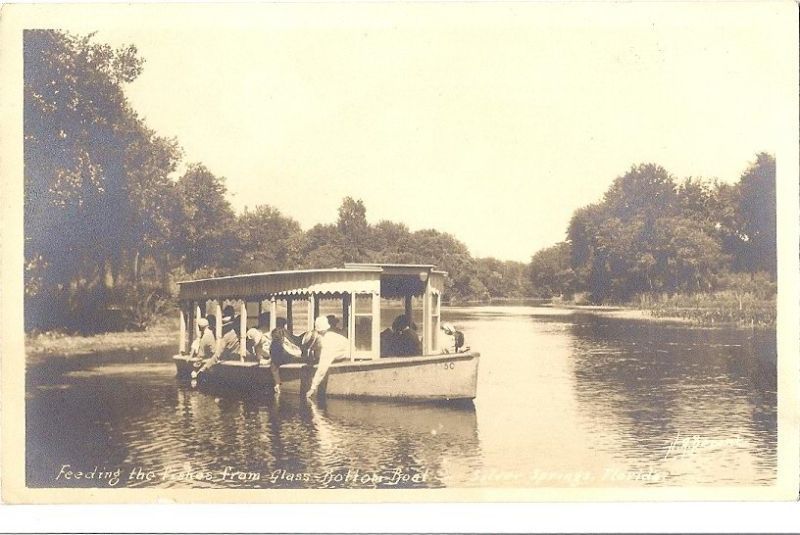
pixel 565 399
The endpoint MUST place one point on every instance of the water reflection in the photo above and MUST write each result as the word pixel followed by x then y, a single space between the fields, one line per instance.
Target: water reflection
pixel 563 399
pixel 693 403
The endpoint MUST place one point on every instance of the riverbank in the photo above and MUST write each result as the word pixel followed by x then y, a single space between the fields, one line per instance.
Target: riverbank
pixel 42 346
pixel 691 310
pixel 621 312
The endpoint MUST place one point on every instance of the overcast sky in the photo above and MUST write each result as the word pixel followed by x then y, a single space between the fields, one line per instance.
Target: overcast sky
pixel 491 122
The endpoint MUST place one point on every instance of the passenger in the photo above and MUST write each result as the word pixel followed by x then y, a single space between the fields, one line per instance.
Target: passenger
pixel 451 340
pixel 283 348
pixel 407 342
pixel 334 347
pixel 258 345
pixel 333 321
pixel 311 345
pixel 212 325
pixel 203 347
pixel 388 343
pixel 228 346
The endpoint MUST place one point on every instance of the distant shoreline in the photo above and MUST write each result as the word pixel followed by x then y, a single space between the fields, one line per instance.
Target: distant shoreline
pixel 42 347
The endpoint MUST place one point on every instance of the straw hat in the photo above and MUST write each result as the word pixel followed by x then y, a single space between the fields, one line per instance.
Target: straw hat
pixel 448 328
pixel 202 322
pixel 254 335
pixel 321 324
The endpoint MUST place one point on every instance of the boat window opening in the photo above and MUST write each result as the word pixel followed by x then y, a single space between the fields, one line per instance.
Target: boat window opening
pixel 280 310
pixel 332 308
pixel 392 308
pixel 362 331
pixel 299 316
pixel 264 315
pixel 253 319
pixel 436 316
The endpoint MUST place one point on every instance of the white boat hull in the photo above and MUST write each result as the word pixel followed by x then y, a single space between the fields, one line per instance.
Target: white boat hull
pixel 424 378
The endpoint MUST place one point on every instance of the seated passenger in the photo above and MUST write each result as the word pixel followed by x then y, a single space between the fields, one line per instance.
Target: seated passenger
pixel 387 343
pixel 407 342
pixel 333 321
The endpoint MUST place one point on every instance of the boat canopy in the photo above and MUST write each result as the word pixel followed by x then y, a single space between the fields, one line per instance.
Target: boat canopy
pixel 359 286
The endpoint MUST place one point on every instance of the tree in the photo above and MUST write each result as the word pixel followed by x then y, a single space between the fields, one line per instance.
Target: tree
pixel 354 229
pixel 205 228
pixel 154 201
pixel 649 235
pixel 550 271
pixel 85 205
pixel 268 240
pixel 757 213
pixel 644 192
pixel 322 247
pixel 76 127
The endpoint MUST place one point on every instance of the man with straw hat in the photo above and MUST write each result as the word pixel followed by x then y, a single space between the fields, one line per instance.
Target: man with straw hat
pixel 203 348
pixel 227 346
pixel 333 347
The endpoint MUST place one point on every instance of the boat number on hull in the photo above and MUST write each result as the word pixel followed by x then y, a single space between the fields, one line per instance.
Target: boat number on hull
pixel 449 365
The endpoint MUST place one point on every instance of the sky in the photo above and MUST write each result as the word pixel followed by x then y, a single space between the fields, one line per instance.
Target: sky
pixel 493 122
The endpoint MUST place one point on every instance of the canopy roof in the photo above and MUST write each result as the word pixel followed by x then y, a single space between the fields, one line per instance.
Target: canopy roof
pixel 390 280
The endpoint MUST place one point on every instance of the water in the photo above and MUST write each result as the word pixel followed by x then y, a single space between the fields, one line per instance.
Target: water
pixel 564 400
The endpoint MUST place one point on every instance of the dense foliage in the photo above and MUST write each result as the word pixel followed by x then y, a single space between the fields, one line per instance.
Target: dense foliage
pixel 108 228
pixel 651 234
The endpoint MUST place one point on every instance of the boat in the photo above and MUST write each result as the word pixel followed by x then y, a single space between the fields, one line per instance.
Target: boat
pixel 360 293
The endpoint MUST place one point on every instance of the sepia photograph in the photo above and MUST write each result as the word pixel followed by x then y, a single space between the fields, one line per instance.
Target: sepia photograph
pixel 512 251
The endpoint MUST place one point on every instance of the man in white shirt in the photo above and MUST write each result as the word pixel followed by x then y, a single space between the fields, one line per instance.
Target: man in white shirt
pixel 334 347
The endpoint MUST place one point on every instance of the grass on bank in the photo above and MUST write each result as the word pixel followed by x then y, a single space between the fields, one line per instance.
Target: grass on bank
pixel 718 308
pixel 161 332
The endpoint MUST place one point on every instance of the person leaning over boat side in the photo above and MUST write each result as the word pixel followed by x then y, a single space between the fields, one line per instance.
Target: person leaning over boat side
pixel 227 346
pixel 203 348
pixel 258 344
pixel 452 340
pixel 334 347
pixel 283 348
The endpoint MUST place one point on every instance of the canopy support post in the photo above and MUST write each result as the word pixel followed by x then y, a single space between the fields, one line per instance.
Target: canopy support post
pixel 190 336
pixel 427 318
pixel 376 325
pixel 408 312
pixel 273 313
pixel 347 302
pixel 289 320
pixel 219 320
pixel 243 331
pixel 312 310
pixel 182 339
pixel 197 315
pixel 351 324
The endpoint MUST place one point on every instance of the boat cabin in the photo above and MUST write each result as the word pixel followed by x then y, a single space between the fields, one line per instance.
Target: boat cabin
pixel 361 299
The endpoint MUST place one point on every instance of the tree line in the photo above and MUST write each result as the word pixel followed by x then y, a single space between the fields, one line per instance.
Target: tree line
pixel 108 230
pixel 653 234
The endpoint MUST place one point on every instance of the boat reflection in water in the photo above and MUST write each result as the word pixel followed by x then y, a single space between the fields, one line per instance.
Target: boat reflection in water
pixel 251 440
